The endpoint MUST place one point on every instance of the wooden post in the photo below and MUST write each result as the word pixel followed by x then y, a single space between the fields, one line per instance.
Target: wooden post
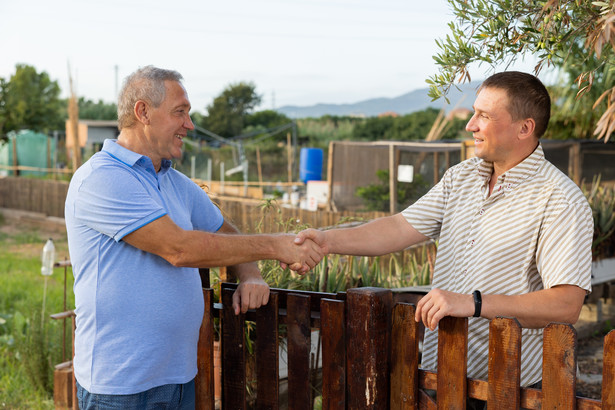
pixel 608 372
pixel 367 354
pixel 204 382
pixel 392 180
pixel 452 363
pixel 233 354
pixel 333 329
pixel 559 366
pixel 575 162
pixel 436 167
pixel 330 203
pixel 267 355
pixel 504 364
pixel 75 401
pixel 259 167
pixel 299 345
pixel 15 161
pixel 63 388
pixel 404 358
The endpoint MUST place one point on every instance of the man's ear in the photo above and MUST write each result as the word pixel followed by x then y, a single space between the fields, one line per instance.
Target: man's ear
pixel 141 112
pixel 528 126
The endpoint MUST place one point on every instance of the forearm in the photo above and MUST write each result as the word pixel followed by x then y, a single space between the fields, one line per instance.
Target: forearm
pixel 377 237
pixel 537 309
pixel 204 250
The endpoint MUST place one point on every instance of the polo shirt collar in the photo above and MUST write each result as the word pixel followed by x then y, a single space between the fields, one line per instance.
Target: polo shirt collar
pixel 131 158
pixel 514 176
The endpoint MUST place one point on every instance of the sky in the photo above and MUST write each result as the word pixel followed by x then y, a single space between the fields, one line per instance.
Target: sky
pixel 296 52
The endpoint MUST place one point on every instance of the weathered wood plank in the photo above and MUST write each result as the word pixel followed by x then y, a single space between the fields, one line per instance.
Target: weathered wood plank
pixel 504 364
pixel 299 346
pixel 233 355
pixel 267 355
pixel 404 358
pixel 333 332
pixel 204 382
pixel 368 341
pixel 559 366
pixel 608 372
pixel 452 363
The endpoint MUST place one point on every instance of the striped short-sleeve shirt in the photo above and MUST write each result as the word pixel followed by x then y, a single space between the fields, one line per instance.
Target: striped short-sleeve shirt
pixel 533 232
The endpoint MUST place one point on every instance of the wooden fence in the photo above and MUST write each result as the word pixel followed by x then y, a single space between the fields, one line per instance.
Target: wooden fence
pixel 370 357
pixel 48 197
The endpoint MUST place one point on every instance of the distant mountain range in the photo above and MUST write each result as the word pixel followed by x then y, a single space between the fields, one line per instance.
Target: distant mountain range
pixel 413 101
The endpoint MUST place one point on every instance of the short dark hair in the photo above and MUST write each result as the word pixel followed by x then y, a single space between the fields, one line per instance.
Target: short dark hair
pixel 527 96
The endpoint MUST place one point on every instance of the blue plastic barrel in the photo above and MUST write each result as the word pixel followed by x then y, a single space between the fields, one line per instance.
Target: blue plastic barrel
pixel 310 164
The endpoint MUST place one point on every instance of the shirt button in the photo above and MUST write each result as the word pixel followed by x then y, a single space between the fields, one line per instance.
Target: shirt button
pixel 482 211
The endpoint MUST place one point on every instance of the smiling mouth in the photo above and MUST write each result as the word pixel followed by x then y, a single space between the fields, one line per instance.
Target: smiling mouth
pixel 180 137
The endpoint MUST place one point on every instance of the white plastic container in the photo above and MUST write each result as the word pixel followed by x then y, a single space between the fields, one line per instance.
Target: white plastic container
pixel 48 257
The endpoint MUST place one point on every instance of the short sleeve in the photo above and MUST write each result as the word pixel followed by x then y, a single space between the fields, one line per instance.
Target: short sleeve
pixel 115 203
pixel 563 254
pixel 426 214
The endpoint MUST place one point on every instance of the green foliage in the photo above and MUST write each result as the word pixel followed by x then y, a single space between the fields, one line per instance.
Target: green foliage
pixel 90 110
pixel 377 197
pixel 265 119
pixel 601 199
pixel 30 100
pixel 226 116
pixel 411 127
pixel 29 346
pixel 575 36
pixel 337 273
pixel 576 118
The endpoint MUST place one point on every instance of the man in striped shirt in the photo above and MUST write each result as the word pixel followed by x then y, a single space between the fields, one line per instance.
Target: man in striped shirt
pixel 514 232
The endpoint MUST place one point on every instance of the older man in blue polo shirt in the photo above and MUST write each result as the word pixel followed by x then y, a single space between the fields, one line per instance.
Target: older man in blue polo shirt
pixel 137 232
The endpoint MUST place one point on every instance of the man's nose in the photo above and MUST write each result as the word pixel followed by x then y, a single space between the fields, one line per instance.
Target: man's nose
pixel 471 125
pixel 188 124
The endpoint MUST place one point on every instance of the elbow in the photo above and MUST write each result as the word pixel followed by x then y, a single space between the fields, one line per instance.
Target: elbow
pixel 571 314
pixel 178 259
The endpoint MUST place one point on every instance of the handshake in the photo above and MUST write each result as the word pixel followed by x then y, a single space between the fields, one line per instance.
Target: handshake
pixel 303 251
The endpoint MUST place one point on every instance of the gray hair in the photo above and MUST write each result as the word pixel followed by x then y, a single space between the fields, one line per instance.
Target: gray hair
pixel 145 84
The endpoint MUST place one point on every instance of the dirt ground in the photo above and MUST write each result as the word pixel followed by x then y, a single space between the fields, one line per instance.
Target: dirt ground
pixel 589 361
pixel 589 354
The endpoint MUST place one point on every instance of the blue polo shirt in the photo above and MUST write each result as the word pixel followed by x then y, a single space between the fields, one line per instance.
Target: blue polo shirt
pixel 138 316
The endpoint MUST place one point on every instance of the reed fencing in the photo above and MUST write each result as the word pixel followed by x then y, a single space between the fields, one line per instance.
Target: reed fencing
pixel 249 215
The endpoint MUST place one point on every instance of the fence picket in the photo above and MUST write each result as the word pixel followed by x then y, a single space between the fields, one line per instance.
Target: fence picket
pixel 267 355
pixel 299 345
pixel 404 358
pixel 559 366
pixel 204 382
pixel 452 363
pixel 233 354
pixel 608 372
pixel 504 364
pixel 367 340
pixel 333 330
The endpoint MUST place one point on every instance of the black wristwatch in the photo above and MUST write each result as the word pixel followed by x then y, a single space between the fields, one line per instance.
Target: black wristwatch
pixel 478 302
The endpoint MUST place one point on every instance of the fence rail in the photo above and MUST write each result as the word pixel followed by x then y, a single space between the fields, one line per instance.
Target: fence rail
pixel 370 357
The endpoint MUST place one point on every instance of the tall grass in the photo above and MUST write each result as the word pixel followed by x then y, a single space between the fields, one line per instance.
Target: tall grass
pixel 337 273
pixel 30 346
